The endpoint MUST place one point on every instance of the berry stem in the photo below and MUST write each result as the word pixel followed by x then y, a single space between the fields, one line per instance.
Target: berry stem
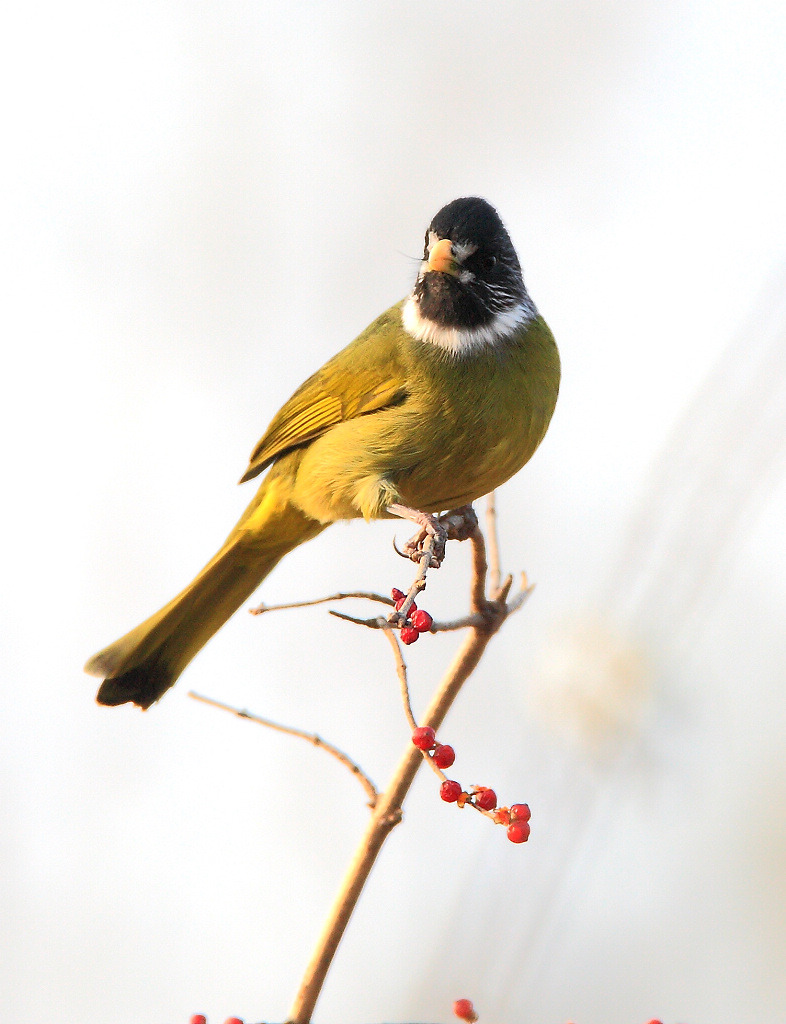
pixel 401 671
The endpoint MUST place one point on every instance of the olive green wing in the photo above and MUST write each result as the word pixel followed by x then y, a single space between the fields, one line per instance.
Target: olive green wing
pixel 366 376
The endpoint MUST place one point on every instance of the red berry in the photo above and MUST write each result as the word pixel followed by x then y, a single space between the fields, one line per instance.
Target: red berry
pixel 400 601
pixel 233 1020
pixel 397 595
pixel 520 812
pixel 424 737
pixel 450 791
pixel 408 635
pixel 422 621
pixel 198 1018
pixel 486 799
pixel 444 755
pixel 464 1010
pixel 518 832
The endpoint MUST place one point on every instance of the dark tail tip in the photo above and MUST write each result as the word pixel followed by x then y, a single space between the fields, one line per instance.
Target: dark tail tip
pixel 143 686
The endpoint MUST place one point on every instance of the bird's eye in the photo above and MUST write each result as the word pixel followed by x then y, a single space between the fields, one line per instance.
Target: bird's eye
pixel 486 261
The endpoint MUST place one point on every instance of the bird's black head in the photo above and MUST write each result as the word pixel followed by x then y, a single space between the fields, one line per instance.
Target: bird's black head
pixel 469 290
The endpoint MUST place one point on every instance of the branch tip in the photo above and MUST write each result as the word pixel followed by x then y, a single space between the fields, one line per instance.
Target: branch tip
pixel 289 730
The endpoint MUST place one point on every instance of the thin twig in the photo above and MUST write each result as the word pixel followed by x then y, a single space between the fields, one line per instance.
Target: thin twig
pixel 401 670
pixel 523 594
pixel 376 622
pixel 493 541
pixel 504 590
pixel 313 738
pixel 362 594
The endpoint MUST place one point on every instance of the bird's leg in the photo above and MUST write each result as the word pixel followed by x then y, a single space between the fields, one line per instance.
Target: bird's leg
pixel 458 524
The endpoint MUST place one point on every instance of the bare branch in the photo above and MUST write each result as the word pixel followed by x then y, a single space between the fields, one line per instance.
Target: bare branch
pixel 487 613
pixel 387 813
pixel 313 738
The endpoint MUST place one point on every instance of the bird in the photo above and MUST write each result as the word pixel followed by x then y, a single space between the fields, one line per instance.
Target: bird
pixel 440 400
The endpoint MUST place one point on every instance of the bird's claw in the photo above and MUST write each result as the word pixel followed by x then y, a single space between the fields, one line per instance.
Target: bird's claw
pixel 415 546
pixel 458 524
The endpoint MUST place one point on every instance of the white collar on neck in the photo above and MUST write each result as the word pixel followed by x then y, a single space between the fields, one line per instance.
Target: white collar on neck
pixel 462 340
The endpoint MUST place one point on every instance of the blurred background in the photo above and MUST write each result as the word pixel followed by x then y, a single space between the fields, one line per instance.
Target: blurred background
pixel 202 202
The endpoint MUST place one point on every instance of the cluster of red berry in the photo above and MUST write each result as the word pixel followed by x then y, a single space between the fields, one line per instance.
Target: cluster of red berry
pixel 425 739
pixel 418 620
pixel 516 817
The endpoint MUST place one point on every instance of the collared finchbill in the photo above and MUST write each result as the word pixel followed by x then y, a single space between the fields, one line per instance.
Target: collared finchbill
pixel 441 399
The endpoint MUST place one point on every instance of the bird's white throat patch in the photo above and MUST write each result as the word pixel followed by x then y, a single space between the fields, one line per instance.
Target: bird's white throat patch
pixel 465 339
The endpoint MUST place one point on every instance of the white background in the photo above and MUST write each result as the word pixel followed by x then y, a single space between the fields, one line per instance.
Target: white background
pixel 202 202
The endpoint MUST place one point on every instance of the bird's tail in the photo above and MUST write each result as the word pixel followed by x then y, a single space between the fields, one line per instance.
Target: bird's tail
pixel 143 664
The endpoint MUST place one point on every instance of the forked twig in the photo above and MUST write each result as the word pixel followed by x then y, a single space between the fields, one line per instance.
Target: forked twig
pixel 487 613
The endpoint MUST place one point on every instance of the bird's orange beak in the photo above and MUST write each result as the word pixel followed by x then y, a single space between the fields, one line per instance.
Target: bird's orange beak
pixel 441 258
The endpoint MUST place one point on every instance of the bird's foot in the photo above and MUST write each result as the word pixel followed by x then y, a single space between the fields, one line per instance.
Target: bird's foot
pixel 459 524
pixel 430 526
